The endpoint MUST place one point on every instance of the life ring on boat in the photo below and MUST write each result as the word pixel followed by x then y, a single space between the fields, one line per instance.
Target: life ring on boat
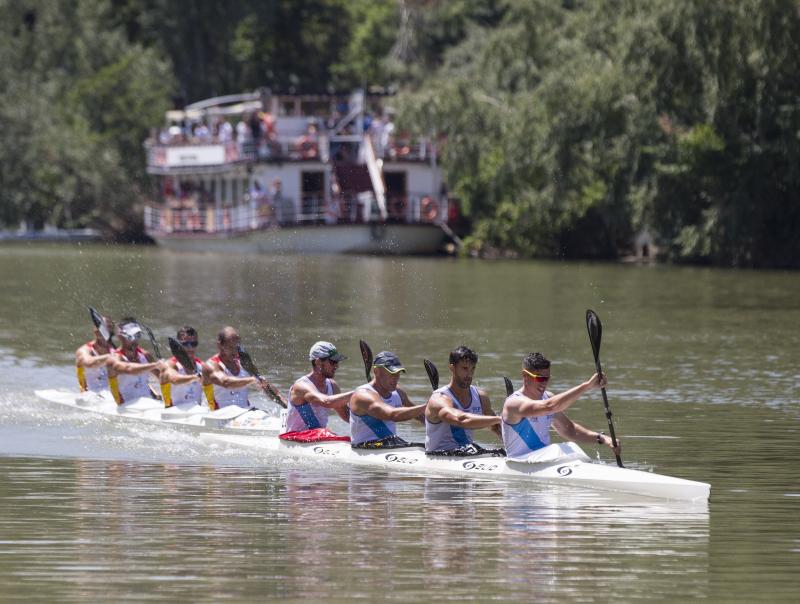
pixel 429 209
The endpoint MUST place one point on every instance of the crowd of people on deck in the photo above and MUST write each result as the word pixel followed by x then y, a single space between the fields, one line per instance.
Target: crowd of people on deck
pixel 450 415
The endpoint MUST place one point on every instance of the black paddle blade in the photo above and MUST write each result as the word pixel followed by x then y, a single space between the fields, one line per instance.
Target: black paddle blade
pixel 101 325
pixel 509 386
pixel 433 373
pixel 180 353
pixel 366 355
pixel 248 364
pixel 595 328
pixel 153 341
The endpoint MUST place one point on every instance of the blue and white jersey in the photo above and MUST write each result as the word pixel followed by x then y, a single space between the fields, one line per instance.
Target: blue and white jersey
pixel 442 436
pixel 527 435
pixel 364 428
pixel 307 416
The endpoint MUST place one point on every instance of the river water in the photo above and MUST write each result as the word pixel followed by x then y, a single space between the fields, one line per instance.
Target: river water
pixel 703 382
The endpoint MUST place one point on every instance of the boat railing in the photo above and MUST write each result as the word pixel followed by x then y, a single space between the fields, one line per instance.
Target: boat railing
pixel 259 214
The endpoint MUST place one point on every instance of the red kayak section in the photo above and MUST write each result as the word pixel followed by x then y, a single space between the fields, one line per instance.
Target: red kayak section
pixel 315 435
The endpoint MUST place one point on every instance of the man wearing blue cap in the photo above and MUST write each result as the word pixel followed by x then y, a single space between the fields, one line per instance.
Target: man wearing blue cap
pixel 377 406
pixel 315 394
pixel 457 409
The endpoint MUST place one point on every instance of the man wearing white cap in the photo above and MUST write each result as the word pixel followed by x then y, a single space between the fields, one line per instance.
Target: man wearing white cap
pixel 313 396
pixel 377 406
pixel 129 365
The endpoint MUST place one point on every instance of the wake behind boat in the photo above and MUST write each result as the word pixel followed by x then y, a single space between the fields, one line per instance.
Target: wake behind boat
pixel 231 419
pixel 560 464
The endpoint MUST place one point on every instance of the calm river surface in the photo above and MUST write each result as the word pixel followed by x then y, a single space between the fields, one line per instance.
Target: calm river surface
pixel 704 384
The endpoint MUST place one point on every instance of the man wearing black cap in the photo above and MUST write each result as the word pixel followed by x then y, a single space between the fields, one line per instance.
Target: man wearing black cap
pixel 314 394
pixel 456 409
pixel 376 406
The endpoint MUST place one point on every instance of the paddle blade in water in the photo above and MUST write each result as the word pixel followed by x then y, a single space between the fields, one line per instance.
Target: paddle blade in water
pixel 433 373
pixel 366 355
pixel 509 386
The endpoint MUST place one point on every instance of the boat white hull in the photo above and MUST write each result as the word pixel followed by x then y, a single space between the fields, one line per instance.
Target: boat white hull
pixel 572 469
pixel 394 239
pixel 192 417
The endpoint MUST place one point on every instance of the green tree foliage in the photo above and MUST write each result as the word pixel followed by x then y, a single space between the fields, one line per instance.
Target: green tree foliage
pixel 570 127
pixel 75 103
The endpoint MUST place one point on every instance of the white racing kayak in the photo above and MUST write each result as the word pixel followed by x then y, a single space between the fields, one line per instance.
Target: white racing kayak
pixel 558 464
pixel 231 419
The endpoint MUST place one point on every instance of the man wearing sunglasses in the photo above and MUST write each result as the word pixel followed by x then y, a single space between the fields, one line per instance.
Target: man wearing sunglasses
pixel 457 409
pixel 530 412
pixel 316 394
pixel 183 385
pixel 130 364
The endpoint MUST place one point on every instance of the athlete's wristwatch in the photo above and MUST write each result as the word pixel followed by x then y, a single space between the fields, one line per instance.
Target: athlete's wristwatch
pixel 599 437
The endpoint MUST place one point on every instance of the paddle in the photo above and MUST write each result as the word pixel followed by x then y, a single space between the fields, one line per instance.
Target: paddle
pixel 366 355
pixel 153 341
pixel 509 386
pixel 250 367
pixel 433 373
pixel 101 326
pixel 179 352
pixel 595 329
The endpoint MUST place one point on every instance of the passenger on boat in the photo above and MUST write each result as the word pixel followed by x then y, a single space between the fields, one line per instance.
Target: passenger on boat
pixel 183 385
pixel 457 409
pixel 316 394
pixel 130 364
pixel 227 380
pixel 91 360
pixel 530 412
pixel 377 406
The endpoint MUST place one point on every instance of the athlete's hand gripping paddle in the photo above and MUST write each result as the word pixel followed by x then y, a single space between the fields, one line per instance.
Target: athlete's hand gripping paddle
pixel 595 329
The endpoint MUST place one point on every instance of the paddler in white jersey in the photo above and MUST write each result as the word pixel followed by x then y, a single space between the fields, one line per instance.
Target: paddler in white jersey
pixel 91 360
pixel 314 395
pixel 227 380
pixel 530 412
pixel 184 385
pixel 130 364
pixel 458 408
pixel 377 406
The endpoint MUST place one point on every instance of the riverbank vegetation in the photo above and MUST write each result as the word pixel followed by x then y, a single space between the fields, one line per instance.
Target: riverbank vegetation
pixel 567 127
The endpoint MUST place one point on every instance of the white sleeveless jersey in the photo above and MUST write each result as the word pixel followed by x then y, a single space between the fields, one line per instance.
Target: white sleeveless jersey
pixel 187 393
pixel 364 428
pixel 224 397
pixel 307 416
pixel 93 379
pixel 446 437
pixel 529 434
pixel 133 386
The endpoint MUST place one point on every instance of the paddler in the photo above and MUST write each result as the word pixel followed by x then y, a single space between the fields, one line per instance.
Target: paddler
pixel 530 412
pixel 91 360
pixel 456 409
pixel 227 381
pixel 184 385
pixel 316 394
pixel 376 406
pixel 130 364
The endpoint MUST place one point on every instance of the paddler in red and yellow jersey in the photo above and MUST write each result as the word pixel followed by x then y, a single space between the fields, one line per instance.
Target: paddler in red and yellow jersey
pixel 227 381
pixel 91 360
pixel 184 385
pixel 130 364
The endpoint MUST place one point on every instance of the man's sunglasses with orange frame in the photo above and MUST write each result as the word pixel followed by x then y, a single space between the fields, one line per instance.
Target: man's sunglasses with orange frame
pixel 536 377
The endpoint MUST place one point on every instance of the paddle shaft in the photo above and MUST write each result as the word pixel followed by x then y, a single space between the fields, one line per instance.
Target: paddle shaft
pixel 608 412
